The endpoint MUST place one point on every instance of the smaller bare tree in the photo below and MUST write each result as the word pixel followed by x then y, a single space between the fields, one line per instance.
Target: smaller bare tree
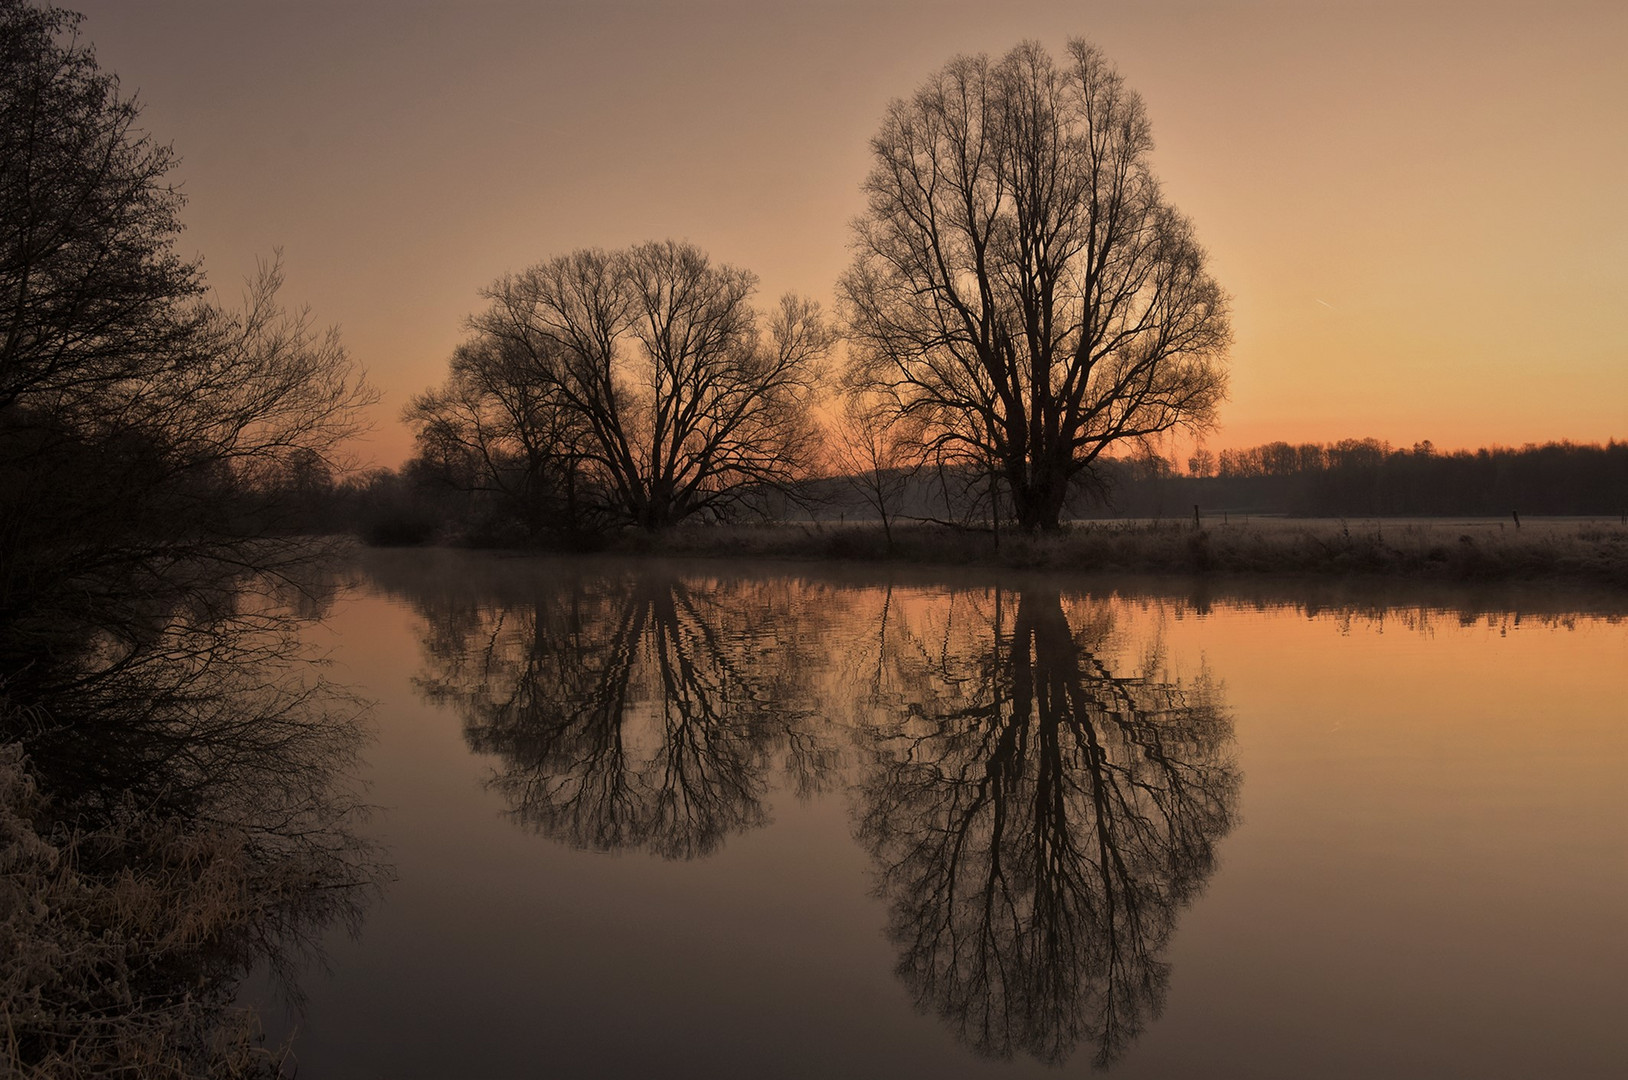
pixel 878 453
pixel 688 404
pixel 494 430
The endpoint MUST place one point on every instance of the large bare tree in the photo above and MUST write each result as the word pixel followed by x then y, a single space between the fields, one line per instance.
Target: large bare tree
pixel 1020 285
pixel 689 404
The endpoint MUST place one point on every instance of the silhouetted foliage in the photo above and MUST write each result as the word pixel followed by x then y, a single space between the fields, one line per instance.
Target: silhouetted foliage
pixel 1369 478
pixel 142 429
pixel 1021 288
pixel 89 279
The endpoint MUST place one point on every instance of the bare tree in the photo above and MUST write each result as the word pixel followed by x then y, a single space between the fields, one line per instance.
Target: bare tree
pixel 879 453
pixel 1201 463
pixel 1020 285
pixel 260 391
pixel 89 279
pixel 689 405
pixel 154 488
pixel 140 422
pixel 497 429
pixel 184 811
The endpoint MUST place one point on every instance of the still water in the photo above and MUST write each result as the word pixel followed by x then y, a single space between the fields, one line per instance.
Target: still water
pixel 763 820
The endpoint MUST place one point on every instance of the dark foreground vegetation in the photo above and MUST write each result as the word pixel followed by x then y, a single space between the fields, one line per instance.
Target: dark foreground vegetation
pixel 174 803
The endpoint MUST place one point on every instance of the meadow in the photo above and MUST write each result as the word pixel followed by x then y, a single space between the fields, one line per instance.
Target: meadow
pixel 1592 551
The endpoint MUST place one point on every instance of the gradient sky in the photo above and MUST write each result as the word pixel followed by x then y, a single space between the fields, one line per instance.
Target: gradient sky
pixel 1417 208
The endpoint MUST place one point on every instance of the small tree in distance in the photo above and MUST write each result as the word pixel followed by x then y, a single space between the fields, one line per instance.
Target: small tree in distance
pixel 1020 287
pixel 878 454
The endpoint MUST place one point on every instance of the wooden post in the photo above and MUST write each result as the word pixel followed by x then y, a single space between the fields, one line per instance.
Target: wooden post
pixel 1196 523
pixel 1517 515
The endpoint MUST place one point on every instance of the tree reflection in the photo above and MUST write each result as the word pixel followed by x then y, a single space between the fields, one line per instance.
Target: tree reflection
pixel 1038 821
pixel 1040 800
pixel 176 809
pixel 639 711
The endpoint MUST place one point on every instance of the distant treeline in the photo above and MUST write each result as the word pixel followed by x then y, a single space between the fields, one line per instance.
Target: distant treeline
pixel 1369 478
pixel 1350 478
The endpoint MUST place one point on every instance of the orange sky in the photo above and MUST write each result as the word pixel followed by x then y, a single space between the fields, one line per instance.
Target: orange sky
pixel 1419 213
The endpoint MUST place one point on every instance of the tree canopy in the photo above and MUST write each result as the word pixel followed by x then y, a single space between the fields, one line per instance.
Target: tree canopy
pixel 630 387
pixel 1020 286
pixel 140 421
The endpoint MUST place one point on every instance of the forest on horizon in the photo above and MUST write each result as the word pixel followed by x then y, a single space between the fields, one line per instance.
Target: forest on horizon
pixel 1349 478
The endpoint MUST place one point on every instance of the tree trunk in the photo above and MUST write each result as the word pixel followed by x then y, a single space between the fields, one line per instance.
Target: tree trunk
pixel 1037 498
pixel 658 507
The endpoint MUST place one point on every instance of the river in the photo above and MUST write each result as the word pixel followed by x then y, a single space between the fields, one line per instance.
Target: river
pixel 766 820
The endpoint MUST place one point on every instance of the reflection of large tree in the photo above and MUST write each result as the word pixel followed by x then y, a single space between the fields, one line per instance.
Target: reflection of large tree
pixel 636 712
pixel 1038 822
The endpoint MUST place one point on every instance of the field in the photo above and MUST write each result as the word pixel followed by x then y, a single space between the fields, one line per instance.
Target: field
pixel 1591 551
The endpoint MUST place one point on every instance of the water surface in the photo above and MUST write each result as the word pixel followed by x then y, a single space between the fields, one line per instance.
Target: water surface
pixel 768 820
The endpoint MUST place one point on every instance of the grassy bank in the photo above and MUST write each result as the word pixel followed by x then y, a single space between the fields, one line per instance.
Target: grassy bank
pixel 1584 552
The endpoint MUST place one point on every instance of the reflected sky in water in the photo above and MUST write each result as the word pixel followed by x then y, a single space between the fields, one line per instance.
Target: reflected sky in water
pixel 178 810
pixel 760 820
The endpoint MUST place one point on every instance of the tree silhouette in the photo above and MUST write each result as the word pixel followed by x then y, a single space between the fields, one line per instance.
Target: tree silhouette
pixel 1038 822
pixel 1021 287
pixel 140 425
pixel 642 382
pixel 170 764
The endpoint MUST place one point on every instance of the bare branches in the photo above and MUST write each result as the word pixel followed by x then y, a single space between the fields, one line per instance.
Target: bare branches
pixel 197 820
pixel 1019 286
pixel 140 424
pixel 88 273
pixel 260 387
pixel 675 397
pixel 879 453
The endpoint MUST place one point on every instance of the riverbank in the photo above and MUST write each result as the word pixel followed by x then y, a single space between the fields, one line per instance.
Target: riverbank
pixel 1590 552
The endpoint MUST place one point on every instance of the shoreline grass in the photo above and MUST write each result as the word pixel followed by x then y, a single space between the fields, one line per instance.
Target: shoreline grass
pixel 1586 552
